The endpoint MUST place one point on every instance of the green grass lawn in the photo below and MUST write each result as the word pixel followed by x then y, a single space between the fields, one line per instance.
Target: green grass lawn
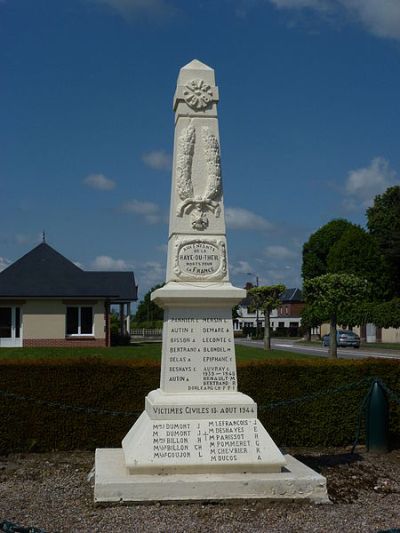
pixel 147 351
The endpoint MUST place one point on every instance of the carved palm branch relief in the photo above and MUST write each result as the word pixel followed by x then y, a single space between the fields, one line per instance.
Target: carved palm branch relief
pixel 198 205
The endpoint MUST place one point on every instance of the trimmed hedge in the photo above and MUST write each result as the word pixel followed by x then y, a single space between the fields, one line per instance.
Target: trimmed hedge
pixel 328 420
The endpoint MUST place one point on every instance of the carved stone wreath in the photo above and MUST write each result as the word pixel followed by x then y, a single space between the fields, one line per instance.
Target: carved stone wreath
pixel 219 273
pixel 197 94
pixel 198 205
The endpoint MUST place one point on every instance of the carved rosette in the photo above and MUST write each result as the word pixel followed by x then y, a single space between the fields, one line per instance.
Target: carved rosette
pixel 209 201
pixel 198 94
pixel 199 259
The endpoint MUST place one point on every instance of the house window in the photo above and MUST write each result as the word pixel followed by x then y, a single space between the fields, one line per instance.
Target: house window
pixel 5 322
pixel 10 322
pixel 286 310
pixel 79 320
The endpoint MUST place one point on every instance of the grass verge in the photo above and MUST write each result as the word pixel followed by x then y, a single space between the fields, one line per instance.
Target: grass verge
pixel 139 351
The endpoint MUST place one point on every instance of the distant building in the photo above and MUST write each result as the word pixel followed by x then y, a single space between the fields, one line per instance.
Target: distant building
pixel 286 316
pixel 46 300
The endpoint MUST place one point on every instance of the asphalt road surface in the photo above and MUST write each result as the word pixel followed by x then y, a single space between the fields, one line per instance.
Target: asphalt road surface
pixel 319 351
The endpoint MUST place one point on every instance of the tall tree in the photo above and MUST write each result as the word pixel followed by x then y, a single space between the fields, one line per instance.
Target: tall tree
pixel 147 310
pixel 331 296
pixel 317 248
pixel 265 299
pixel 357 252
pixel 384 225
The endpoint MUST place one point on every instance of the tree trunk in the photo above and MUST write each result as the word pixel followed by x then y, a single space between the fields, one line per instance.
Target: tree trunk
pixel 267 332
pixel 332 338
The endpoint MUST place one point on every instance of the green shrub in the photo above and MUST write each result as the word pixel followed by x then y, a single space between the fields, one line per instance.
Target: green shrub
pixel 329 419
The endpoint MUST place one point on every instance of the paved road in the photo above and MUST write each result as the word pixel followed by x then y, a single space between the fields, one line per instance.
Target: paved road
pixel 319 351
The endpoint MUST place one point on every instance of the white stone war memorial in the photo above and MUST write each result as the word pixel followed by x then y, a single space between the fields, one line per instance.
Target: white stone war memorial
pixel 198 437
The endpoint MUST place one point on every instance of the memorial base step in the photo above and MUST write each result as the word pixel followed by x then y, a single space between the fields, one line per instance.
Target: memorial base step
pixel 113 483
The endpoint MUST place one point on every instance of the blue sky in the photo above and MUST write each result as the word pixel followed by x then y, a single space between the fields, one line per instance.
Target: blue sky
pixel 309 124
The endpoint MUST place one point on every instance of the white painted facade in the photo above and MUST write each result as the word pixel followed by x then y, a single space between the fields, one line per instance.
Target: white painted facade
pixel 248 319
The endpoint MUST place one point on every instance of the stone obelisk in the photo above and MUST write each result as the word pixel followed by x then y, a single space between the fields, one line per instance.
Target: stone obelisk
pixel 198 438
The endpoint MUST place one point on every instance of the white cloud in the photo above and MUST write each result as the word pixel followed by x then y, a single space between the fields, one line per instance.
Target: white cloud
pixel 105 262
pixel 379 17
pixel 148 274
pixel 134 9
pixel 240 267
pixel 157 160
pixel 149 210
pixel 4 263
pixel 99 181
pixel 363 184
pixel 279 252
pixel 238 218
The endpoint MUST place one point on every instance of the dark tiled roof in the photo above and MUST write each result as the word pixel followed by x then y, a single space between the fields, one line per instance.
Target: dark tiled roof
pixel 43 272
pixel 292 295
pixel 289 295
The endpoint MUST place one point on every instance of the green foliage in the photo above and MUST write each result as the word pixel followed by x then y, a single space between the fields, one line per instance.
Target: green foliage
pixel 152 324
pixel 266 298
pixel 317 248
pixel 384 226
pixel 235 312
pixel 114 323
pixel 386 314
pixel 329 420
pixel 310 317
pixel 335 294
pixel 357 252
pixel 147 310
pixel 333 297
pixel 340 247
pixel 358 313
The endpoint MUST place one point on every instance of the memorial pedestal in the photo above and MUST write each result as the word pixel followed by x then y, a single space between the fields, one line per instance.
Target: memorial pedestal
pixel 199 438
pixel 113 483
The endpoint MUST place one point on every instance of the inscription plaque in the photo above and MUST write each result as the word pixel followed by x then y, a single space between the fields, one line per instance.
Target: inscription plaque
pixel 211 441
pixel 200 259
pixel 199 352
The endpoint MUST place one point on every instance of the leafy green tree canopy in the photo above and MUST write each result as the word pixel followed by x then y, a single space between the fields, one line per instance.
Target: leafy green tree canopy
pixel 266 298
pixel 384 225
pixel 147 310
pixel 317 248
pixel 332 296
pixel 357 252
pixel 387 314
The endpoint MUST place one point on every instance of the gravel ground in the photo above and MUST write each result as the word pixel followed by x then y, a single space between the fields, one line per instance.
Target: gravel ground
pixel 51 491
